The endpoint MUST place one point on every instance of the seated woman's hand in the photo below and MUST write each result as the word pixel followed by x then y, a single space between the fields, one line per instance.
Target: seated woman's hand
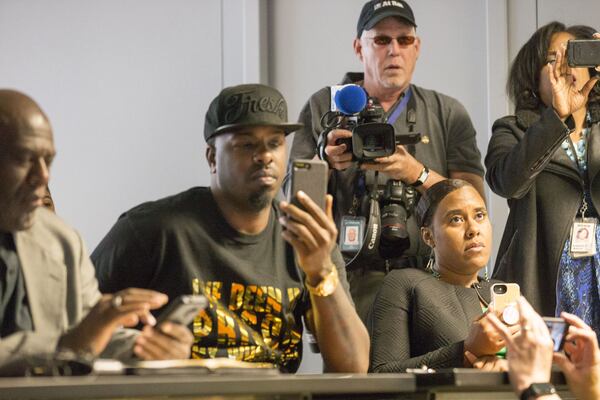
pixel 487 363
pixel 484 339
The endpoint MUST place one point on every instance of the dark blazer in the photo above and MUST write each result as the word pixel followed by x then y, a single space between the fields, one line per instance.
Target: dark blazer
pixel 526 165
pixel 61 289
pixel 418 320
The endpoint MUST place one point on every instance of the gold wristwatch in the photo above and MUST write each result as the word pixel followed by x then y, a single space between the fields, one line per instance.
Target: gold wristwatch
pixel 327 286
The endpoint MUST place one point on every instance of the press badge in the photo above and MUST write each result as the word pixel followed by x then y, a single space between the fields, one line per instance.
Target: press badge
pixel 583 237
pixel 352 232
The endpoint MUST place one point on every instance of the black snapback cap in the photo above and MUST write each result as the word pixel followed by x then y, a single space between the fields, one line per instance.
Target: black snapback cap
pixel 243 106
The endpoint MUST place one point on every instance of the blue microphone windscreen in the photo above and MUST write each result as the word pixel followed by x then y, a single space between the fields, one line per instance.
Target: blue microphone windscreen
pixel 351 99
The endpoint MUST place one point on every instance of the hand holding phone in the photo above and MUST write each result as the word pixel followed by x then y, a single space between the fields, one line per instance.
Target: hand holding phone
pixel 183 309
pixel 310 176
pixel 558 330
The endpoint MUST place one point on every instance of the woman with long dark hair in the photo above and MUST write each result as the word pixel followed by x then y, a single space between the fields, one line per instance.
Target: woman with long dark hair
pixel 545 160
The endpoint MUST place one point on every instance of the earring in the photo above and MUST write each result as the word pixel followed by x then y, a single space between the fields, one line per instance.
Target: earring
pixel 430 266
pixel 430 262
pixel 486 276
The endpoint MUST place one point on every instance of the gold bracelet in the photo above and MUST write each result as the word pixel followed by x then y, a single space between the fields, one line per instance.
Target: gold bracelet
pixel 327 285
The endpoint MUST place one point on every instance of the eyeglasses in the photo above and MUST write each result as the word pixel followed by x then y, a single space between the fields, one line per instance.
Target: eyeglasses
pixel 383 40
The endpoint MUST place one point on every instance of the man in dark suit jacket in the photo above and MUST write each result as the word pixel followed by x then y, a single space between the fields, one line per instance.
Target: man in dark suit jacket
pixel 49 296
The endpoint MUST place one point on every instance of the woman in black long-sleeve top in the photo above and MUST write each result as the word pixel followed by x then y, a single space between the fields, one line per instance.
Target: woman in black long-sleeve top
pixel 433 317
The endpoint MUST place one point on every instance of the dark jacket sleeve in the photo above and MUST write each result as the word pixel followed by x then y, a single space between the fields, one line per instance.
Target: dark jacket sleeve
pixel 515 157
pixel 389 326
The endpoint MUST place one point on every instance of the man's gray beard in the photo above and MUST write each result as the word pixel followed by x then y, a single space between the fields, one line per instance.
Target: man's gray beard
pixel 260 200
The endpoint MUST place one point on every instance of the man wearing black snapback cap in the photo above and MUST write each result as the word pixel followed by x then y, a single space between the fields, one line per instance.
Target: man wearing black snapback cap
pixel 387 45
pixel 228 242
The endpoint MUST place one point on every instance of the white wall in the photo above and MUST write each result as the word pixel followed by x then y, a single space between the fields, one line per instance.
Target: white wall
pixel 125 84
pixel 572 12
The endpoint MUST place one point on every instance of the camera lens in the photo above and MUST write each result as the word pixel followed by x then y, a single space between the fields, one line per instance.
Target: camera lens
pixel 394 235
pixel 500 289
pixel 374 143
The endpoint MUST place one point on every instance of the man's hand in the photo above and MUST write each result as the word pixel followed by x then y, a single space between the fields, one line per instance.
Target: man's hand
pixel 400 166
pixel 125 308
pixel 338 156
pixel 529 354
pixel 169 341
pixel 581 361
pixel 312 234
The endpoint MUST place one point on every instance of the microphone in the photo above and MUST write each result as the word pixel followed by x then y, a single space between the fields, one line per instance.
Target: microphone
pixel 351 99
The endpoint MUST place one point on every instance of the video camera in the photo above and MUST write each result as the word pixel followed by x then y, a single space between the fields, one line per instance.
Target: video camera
pixel 371 138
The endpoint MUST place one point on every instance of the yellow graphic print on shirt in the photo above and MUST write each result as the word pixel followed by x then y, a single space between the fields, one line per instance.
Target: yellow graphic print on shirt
pixel 247 323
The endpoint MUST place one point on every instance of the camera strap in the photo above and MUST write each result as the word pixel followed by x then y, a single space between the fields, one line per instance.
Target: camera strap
pixel 408 102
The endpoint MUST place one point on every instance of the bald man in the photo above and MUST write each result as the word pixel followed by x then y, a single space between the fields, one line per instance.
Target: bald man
pixel 49 296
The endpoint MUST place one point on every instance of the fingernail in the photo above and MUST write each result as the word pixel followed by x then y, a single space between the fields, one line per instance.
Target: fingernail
pixel 151 320
pixel 161 298
pixel 166 328
pixel 282 220
pixel 301 193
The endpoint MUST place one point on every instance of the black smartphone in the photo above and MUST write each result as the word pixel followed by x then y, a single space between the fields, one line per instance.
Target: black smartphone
pixel 558 330
pixel 583 53
pixel 183 309
pixel 310 176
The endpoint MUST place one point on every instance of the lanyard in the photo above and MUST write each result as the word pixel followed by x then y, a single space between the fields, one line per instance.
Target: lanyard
pixel 396 113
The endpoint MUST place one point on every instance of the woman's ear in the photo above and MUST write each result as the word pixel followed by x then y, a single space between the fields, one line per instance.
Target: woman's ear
pixel 427 235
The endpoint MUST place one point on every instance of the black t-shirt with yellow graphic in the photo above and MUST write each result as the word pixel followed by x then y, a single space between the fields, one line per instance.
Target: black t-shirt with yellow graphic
pixel 182 244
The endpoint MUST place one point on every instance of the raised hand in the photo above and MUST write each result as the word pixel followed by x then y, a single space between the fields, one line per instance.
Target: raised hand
pixel 581 361
pixel 566 97
pixel 529 353
pixel 312 234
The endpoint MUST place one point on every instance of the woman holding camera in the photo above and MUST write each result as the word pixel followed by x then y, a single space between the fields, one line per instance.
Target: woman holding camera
pixel 545 160
pixel 435 317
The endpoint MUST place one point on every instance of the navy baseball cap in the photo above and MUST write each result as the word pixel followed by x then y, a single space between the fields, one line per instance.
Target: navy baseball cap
pixel 376 10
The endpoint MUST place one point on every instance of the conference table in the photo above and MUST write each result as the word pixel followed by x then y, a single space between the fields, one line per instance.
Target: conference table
pixel 445 384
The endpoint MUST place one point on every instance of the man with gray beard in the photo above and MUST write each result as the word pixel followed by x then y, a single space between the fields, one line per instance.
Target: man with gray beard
pixel 263 265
